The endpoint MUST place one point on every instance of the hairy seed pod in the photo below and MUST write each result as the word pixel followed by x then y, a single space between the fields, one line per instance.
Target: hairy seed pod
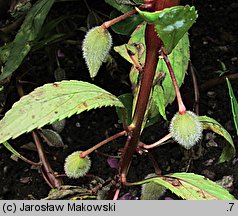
pixel 151 190
pixel 75 166
pixel 96 47
pixel 186 129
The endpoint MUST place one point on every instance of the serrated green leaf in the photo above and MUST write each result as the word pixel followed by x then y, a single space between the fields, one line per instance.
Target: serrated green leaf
pixel 211 124
pixel 96 47
pixel 234 105
pixel 53 102
pixel 191 186
pixel 171 23
pixel 26 36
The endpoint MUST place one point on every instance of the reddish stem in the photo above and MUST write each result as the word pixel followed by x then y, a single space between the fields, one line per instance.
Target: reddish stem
pixel 182 108
pixel 116 195
pixel 109 23
pixel 118 19
pixel 46 169
pixel 155 164
pixel 137 64
pixel 153 45
pixel 109 139
pixel 158 143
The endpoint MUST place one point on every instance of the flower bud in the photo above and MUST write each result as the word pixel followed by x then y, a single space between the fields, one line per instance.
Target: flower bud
pixel 186 129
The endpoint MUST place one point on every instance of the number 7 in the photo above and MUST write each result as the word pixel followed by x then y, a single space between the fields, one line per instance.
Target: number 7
pixel 232 204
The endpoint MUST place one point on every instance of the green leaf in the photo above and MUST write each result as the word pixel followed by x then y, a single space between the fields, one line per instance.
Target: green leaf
pixel 159 100
pixel 179 59
pixel 20 8
pixel 53 102
pixel 12 150
pixel 127 100
pixel 26 35
pixel 171 23
pixel 139 1
pixel 234 104
pixel 126 2
pixel 96 47
pixel 5 52
pixel 191 186
pixel 210 124
pixel 51 39
pixel 49 28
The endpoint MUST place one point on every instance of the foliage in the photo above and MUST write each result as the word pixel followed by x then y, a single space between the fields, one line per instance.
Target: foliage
pixel 53 102
pixel 27 34
pixel 234 105
pixel 191 186
pixel 211 124
pixel 171 23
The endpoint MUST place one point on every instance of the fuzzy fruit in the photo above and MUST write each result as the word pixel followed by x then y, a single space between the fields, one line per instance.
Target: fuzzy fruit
pixel 96 47
pixel 186 129
pixel 75 166
pixel 151 190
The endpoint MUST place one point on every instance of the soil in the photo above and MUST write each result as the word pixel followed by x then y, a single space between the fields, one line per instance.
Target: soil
pixel 214 39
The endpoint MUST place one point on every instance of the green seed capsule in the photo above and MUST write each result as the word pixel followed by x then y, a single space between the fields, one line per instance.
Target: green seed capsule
pixel 75 166
pixel 96 47
pixel 186 129
pixel 151 190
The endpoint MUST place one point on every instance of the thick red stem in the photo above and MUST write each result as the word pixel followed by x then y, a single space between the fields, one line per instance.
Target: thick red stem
pixel 153 45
